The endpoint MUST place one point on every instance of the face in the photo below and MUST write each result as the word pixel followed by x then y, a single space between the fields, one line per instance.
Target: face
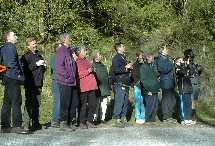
pixel 141 57
pixel 98 57
pixel 32 45
pixel 12 37
pixel 165 51
pixel 121 49
pixel 150 59
pixel 67 41
pixel 83 53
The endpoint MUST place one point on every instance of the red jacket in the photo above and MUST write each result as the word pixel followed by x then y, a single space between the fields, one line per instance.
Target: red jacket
pixel 87 80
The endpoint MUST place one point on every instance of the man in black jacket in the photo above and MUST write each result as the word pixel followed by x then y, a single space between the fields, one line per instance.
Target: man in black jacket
pixel 34 68
pixel 11 80
pixel 121 70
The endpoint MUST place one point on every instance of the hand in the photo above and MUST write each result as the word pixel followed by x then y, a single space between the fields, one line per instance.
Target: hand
pixel 90 70
pixel 129 66
pixel 150 93
pixel 40 62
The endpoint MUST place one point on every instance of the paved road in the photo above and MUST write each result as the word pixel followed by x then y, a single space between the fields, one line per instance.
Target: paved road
pixel 167 135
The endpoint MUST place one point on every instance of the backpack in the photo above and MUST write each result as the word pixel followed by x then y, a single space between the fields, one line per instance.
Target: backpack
pixel 2 67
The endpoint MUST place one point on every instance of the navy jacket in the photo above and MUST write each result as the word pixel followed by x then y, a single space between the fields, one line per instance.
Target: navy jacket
pixel 118 68
pixel 165 69
pixel 33 74
pixel 11 61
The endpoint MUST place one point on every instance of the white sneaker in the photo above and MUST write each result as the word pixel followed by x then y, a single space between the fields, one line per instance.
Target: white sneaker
pixel 186 122
pixel 142 121
pixel 192 122
pixel 139 121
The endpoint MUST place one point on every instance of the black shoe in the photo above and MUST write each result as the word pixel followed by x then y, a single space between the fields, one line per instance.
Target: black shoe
pixel 20 130
pixel 90 125
pixel 64 126
pixel 5 130
pixel 36 127
pixel 73 127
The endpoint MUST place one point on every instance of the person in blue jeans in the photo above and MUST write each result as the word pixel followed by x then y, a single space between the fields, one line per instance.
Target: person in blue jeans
pixel 138 98
pixel 55 92
pixel 121 75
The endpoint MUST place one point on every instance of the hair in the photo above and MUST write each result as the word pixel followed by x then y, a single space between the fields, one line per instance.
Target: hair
pixel 139 52
pixel 30 39
pixel 188 53
pixel 118 45
pixel 6 34
pixel 78 50
pixel 63 36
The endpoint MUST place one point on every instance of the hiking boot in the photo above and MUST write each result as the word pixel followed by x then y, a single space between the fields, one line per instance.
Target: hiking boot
pixel 64 126
pixel 90 125
pixel 125 123
pixel 118 123
pixel 20 130
pixel 83 126
pixel 55 124
pixel 35 127
pixel 5 130
pixel 73 127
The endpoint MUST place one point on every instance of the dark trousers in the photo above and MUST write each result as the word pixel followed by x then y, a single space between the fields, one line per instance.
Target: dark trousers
pixel 186 106
pixel 12 100
pixel 88 106
pixel 32 103
pixel 120 101
pixel 66 102
pixel 74 106
pixel 151 107
pixel 168 103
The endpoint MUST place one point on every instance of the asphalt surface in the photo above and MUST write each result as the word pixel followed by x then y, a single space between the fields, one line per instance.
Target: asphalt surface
pixel 150 135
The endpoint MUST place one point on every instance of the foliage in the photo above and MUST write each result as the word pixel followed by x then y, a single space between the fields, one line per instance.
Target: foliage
pixel 98 24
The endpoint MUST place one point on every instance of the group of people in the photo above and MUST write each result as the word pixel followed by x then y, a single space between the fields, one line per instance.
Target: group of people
pixel 81 88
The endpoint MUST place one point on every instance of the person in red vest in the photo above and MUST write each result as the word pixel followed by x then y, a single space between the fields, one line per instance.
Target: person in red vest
pixel 88 87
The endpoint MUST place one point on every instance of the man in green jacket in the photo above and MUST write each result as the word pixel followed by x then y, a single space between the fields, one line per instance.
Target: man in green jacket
pixel 103 91
pixel 151 87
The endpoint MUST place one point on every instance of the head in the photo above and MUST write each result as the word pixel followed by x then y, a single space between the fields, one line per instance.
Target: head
pixel 31 44
pixel 120 48
pixel 188 54
pixel 178 61
pixel 80 52
pixel 65 39
pixel 164 50
pixel 97 57
pixel 10 37
pixel 140 56
pixel 150 58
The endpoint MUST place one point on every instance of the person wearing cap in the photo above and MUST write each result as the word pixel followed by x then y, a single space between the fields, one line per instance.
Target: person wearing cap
pixel 164 66
pixel 88 87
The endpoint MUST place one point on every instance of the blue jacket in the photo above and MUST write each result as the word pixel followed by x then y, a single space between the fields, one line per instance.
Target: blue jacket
pixel 165 69
pixel 118 68
pixel 12 62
